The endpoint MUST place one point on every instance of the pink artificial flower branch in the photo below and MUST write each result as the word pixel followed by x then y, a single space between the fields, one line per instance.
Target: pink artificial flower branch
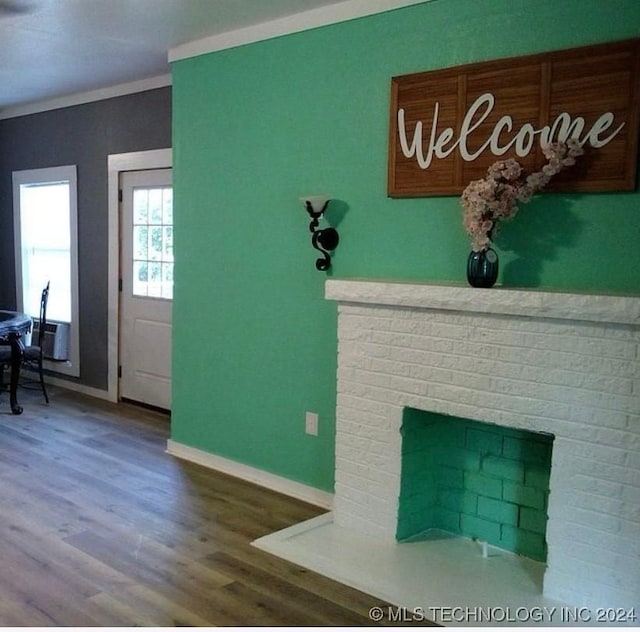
pixel 494 198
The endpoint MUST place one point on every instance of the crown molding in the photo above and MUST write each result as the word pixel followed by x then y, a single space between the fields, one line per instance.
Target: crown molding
pixel 322 16
pixel 87 97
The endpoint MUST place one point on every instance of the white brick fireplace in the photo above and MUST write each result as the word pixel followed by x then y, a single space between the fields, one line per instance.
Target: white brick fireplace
pixel 559 363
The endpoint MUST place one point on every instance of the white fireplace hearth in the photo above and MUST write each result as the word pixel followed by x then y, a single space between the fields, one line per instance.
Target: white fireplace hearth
pixel 566 364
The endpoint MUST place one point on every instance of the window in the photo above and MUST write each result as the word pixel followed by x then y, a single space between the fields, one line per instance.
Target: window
pixel 153 242
pixel 45 225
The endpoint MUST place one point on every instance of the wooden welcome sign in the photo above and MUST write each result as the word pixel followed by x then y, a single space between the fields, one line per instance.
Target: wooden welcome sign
pixel 448 126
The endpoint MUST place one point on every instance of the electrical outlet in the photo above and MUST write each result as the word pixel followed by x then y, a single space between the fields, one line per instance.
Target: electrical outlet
pixel 311 424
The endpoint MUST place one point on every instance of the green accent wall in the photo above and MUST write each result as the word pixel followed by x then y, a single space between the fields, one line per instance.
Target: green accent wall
pixel 258 126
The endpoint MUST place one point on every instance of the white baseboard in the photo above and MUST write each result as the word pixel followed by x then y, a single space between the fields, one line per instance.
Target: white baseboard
pixel 71 386
pixel 279 484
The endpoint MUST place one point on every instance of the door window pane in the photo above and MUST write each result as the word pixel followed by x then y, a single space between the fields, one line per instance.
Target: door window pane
pixel 153 242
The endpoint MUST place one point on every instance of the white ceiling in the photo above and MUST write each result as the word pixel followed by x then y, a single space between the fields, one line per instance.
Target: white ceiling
pixel 54 48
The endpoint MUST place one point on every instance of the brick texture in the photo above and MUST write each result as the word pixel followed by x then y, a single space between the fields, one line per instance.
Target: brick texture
pixel 563 364
pixel 493 464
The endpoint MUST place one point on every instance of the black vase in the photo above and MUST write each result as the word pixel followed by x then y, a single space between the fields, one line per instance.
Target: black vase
pixel 482 268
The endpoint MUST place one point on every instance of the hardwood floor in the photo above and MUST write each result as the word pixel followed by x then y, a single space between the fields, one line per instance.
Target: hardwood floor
pixel 100 527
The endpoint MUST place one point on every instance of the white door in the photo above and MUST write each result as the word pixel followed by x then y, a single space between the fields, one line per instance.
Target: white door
pixel 146 268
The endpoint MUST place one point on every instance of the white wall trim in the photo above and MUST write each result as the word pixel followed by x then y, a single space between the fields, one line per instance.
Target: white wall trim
pixel 68 385
pixel 87 97
pixel 61 173
pixel 117 163
pixel 322 16
pixel 276 483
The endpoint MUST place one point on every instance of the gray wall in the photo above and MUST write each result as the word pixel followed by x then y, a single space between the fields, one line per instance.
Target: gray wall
pixel 82 135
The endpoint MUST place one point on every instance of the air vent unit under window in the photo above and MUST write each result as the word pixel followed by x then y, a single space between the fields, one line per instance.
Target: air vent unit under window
pixel 55 344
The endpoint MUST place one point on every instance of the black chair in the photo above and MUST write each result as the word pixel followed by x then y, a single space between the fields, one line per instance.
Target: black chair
pixel 5 361
pixel 33 354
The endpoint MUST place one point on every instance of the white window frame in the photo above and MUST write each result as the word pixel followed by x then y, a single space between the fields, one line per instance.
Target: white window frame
pixel 67 173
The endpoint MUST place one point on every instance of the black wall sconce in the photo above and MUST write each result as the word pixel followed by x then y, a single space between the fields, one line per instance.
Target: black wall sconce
pixel 324 239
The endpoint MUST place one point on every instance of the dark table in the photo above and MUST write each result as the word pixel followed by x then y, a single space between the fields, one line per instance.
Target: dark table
pixel 14 325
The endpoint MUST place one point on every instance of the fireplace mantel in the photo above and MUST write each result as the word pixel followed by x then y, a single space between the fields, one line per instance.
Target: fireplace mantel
pixel 612 308
pixel 565 364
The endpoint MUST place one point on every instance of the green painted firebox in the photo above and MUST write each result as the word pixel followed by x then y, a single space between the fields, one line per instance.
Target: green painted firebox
pixel 476 480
